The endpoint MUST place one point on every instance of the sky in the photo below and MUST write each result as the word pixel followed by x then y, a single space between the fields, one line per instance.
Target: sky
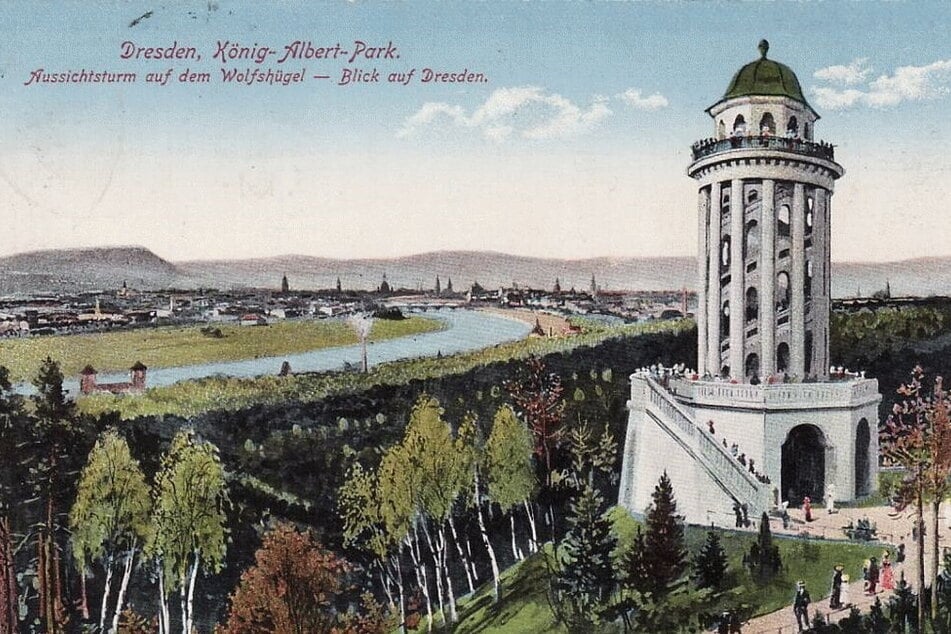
pixel 575 145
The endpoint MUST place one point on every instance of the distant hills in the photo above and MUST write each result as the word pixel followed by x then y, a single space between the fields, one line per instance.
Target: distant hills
pixel 60 270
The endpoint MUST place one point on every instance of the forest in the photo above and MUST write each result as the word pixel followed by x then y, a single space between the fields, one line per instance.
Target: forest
pixel 404 504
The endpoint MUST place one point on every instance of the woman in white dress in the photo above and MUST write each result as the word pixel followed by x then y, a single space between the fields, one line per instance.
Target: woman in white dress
pixel 844 594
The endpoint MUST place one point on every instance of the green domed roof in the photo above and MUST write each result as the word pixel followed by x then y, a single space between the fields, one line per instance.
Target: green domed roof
pixel 764 77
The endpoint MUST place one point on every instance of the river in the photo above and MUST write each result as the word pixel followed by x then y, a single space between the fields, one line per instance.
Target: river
pixel 465 330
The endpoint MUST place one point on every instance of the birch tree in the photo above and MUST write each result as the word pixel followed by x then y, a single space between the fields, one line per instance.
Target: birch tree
pixel 188 525
pixel 471 446
pixel 109 519
pixel 439 473
pixel 508 467
pixel 370 523
pixel 400 512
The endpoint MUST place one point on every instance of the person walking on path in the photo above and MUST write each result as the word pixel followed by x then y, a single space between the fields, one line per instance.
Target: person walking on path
pixel 807 508
pixel 888 574
pixel 801 606
pixel 873 575
pixel 844 598
pixel 835 600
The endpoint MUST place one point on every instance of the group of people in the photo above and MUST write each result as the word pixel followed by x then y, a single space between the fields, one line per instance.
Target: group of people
pixel 734 450
pixel 875 578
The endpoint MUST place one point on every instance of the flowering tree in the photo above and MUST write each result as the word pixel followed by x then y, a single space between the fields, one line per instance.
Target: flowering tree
pixel 917 436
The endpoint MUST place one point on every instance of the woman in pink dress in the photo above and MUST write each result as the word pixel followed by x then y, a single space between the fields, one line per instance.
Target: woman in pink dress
pixel 888 575
pixel 807 508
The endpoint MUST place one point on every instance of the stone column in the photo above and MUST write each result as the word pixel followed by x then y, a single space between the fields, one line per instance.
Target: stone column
pixel 703 248
pixel 737 283
pixel 820 295
pixel 797 325
pixel 827 228
pixel 767 276
pixel 713 281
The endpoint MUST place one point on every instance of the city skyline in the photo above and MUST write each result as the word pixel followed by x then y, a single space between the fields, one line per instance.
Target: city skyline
pixel 579 138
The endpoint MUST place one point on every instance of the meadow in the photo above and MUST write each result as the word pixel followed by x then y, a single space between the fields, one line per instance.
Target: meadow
pixel 187 345
pixel 524 603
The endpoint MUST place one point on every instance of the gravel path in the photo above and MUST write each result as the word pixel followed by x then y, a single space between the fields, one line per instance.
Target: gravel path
pixel 893 528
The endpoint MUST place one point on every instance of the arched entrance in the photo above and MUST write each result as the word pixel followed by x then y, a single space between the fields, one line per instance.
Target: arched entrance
pixel 803 464
pixel 862 441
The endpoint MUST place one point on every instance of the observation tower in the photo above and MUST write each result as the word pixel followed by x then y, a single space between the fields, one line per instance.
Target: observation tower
pixel 762 420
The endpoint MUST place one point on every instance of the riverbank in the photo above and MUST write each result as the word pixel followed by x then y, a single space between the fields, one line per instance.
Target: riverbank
pixel 551 324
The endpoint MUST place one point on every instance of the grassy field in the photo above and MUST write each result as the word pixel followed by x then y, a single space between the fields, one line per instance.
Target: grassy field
pixel 524 600
pixel 174 346
pixel 191 398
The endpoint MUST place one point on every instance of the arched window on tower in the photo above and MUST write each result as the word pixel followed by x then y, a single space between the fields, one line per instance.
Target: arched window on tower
pixel 782 291
pixel 751 240
pixel 807 131
pixel 782 221
pixel 810 218
pixel 725 254
pixel 782 357
pixel 739 125
pixel 725 320
pixel 767 125
pixel 752 304
pixel 721 130
pixel 752 365
pixel 792 127
pixel 725 202
pixel 752 196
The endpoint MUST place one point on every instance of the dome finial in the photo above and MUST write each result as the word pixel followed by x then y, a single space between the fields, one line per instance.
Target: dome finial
pixel 763 48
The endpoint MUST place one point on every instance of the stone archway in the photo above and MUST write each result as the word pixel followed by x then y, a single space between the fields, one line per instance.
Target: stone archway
pixel 862 441
pixel 803 464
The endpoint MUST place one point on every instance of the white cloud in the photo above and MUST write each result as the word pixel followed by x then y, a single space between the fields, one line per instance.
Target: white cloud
pixel 907 83
pixel 633 98
pixel 855 73
pixel 525 111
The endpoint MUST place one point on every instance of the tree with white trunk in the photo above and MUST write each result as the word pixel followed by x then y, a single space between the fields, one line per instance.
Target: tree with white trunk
pixel 109 520
pixel 188 524
pixel 510 473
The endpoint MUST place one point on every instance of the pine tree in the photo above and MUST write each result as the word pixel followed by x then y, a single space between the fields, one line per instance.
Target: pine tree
pixel 710 564
pixel 56 441
pixel 902 606
pixel 665 552
pixel 634 573
pixel 14 425
pixel 764 559
pixel 585 575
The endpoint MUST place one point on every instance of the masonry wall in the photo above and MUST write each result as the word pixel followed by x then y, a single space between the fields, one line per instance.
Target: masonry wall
pixel 649 451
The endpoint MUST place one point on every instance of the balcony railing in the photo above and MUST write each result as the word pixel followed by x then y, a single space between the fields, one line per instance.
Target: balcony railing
pixel 709 147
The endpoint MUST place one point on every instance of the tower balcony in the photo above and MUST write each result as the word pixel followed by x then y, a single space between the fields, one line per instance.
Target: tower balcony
pixel 801 147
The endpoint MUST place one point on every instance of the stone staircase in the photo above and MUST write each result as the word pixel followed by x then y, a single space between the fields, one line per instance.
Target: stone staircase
pixel 715 460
